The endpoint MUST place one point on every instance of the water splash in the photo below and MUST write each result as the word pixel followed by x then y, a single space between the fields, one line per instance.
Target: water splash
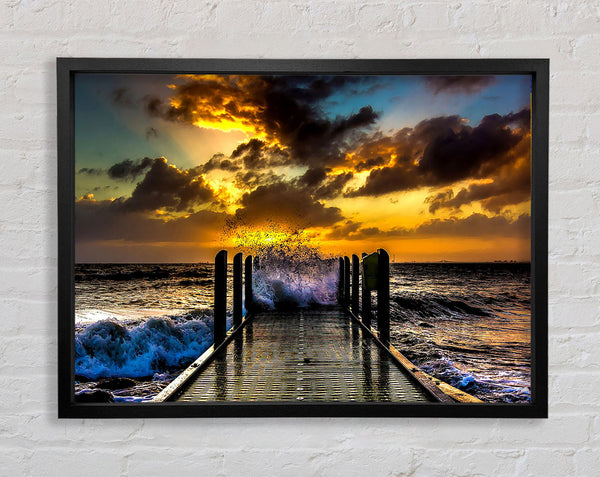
pixel 289 269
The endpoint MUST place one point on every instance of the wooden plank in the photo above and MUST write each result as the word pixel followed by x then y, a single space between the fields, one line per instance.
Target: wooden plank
pixel 442 391
pixel 303 355
pixel 200 363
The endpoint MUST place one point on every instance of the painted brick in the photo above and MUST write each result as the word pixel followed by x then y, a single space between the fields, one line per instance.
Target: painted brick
pixel 34 33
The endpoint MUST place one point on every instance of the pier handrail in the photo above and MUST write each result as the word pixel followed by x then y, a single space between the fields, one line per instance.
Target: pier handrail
pixel 348 296
pixel 240 287
pixel 441 391
pixel 348 291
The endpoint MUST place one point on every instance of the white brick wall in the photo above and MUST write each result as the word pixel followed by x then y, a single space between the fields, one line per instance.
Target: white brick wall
pixel 33 442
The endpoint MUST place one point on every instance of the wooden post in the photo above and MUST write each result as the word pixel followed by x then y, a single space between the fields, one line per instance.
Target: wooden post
pixel 248 284
pixel 346 281
pixel 366 301
pixel 355 270
pixel 341 282
pixel 383 296
pixel 237 289
pixel 220 307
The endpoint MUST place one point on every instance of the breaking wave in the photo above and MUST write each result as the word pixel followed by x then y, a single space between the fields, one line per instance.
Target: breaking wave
pixel 438 305
pixel 286 283
pixel 289 269
pixel 109 348
pixel 504 387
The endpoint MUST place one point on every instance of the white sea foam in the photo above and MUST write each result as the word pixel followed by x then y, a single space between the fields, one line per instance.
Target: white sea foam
pixel 285 283
pixel 109 348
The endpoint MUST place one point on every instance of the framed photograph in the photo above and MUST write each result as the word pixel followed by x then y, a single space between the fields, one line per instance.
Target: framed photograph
pixel 302 237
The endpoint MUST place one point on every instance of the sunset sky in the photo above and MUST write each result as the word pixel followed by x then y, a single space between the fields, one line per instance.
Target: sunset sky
pixel 429 168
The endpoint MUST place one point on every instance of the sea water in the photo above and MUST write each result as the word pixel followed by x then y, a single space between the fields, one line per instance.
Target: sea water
pixel 467 324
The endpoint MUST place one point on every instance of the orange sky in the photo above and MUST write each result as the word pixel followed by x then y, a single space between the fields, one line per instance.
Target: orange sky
pixel 430 168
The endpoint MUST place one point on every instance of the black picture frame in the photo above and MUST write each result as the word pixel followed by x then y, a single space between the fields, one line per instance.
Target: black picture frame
pixel 538 68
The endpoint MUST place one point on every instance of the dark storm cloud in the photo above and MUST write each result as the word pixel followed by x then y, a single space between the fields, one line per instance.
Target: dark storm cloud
pixel 217 161
pixel 475 225
pixel 440 200
pixel 510 185
pixel 453 155
pixel 333 186
pixel 120 224
pixel 256 154
pixel 493 196
pixel 322 185
pixel 283 202
pixel 458 84
pixel 315 140
pixel 285 109
pixel 343 231
pixel 123 97
pixel 90 171
pixel 166 186
pixel 128 169
pixel 313 177
pixel 444 150
pixel 248 180
pixel 370 163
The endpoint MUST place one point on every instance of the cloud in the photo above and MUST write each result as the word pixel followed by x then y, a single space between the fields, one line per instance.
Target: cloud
pixel 333 186
pixel 458 84
pixel 104 188
pixel 282 202
pixel 510 185
pixel 123 97
pixel 475 225
pixel 283 110
pixel 90 171
pixel 443 199
pixel 313 177
pixel 128 169
pixel 256 154
pixel 343 231
pixel 444 150
pixel 217 161
pixel 321 184
pixel 370 163
pixel 248 180
pixel 166 186
pixel 151 133
pixel 119 224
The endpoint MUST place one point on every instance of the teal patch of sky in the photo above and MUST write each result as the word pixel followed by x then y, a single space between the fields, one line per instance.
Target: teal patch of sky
pixel 404 101
pixel 507 94
pixel 375 91
pixel 106 133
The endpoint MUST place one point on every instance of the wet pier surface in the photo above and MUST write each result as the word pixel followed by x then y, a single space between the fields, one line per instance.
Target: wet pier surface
pixel 302 355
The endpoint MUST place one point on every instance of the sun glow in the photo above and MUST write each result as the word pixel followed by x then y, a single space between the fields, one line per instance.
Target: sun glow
pixel 273 239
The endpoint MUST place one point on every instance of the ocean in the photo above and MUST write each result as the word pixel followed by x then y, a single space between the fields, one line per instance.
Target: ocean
pixel 137 326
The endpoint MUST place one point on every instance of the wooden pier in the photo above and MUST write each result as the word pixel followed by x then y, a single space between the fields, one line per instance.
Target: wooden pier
pixel 322 354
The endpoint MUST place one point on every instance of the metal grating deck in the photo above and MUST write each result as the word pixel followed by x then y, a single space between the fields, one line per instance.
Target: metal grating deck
pixel 303 355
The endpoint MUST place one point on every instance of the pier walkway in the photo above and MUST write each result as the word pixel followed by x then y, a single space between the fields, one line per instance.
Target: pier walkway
pixel 305 355
pixel 323 354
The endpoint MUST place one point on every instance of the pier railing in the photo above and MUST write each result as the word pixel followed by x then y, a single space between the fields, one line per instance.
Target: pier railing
pixel 352 292
pixel 242 288
pixel 375 271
